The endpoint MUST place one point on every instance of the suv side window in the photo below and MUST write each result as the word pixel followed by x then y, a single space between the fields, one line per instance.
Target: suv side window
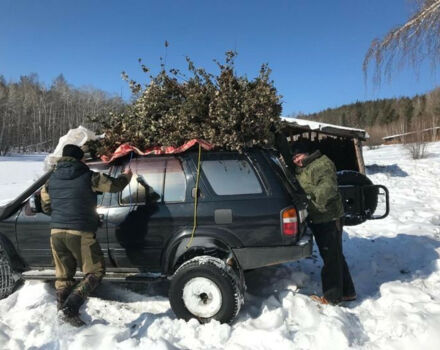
pixel 164 178
pixel 175 181
pixel 231 177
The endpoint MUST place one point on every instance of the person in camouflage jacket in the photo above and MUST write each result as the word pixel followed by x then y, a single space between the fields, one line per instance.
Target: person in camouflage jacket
pixel 316 174
pixel 70 197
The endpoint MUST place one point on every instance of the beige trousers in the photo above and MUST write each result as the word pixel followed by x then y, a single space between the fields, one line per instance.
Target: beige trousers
pixel 72 249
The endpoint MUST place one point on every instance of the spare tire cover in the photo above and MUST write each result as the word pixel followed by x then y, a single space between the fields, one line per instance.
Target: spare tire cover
pixel 354 178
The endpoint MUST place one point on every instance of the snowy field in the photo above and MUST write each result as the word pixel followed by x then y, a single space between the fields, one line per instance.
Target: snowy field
pixel 18 173
pixel 394 263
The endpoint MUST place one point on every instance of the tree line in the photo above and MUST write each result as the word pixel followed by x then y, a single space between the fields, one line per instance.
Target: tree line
pixel 34 116
pixel 384 117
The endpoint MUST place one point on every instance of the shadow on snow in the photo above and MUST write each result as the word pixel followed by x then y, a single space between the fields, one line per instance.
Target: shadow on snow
pixel 372 262
pixel 392 170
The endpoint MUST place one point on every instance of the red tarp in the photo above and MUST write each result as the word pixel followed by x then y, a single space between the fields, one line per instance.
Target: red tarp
pixel 126 148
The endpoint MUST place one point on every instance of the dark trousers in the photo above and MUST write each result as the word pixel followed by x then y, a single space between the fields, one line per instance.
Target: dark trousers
pixel 335 276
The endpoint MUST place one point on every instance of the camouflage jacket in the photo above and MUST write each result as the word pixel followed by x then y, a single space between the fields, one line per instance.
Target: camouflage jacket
pixel 99 182
pixel 317 177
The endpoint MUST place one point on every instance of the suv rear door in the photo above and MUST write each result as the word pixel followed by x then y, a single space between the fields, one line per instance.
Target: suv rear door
pixel 238 199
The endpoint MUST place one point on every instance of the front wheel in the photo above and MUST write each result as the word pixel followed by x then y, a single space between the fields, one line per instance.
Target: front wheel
pixel 7 280
pixel 205 288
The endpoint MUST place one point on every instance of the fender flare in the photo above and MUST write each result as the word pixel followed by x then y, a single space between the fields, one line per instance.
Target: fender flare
pixel 207 240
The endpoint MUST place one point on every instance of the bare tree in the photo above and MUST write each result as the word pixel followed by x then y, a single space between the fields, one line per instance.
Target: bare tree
pixel 433 112
pixel 411 43
pixel 33 117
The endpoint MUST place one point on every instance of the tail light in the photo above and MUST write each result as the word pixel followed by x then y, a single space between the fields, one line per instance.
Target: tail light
pixel 289 222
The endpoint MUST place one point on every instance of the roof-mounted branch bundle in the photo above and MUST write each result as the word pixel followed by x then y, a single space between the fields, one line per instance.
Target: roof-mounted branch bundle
pixel 226 110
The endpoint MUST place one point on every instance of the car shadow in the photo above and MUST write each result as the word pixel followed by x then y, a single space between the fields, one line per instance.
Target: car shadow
pixel 372 263
pixel 125 292
pixel 132 292
pixel 391 170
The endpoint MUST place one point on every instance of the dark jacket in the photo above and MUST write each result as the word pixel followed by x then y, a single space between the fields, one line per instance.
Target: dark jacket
pixel 318 178
pixel 70 194
pixel 73 202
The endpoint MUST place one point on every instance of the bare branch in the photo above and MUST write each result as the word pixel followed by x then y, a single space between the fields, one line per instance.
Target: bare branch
pixel 411 43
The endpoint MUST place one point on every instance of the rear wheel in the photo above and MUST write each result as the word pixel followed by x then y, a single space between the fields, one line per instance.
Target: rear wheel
pixel 7 280
pixel 205 288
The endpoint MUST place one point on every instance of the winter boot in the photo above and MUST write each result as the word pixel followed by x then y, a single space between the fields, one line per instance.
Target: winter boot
pixel 349 297
pixel 87 285
pixel 74 301
pixel 72 305
pixel 62 295
pixel 70 310
pixel 324 300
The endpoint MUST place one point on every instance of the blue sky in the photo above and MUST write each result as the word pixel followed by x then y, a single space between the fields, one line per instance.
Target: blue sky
pixel 314 48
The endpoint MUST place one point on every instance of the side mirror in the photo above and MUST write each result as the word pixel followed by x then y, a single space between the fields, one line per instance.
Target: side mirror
pixel 35 203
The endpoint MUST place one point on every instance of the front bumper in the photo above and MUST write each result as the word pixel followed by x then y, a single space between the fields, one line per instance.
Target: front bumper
pixel 255 257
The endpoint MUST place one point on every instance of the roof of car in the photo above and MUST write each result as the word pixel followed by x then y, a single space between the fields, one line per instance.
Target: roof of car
pixel 96 162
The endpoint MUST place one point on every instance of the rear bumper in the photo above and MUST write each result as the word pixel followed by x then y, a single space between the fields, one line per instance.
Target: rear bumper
pixel 255 257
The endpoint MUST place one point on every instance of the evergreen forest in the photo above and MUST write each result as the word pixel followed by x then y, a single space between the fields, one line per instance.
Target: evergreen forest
pixel 385 117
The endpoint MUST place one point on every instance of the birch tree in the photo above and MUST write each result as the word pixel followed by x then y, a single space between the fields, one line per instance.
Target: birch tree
pixel 409 44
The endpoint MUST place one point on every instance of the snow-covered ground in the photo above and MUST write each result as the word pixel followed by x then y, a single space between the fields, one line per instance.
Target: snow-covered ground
pixel 394 262
pixel 17 173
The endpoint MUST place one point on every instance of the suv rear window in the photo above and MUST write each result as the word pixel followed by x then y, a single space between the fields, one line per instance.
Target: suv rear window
pixel 164 176
pixel 231 177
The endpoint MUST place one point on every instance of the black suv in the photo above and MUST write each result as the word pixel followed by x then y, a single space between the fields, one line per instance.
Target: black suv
pixel 250 214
